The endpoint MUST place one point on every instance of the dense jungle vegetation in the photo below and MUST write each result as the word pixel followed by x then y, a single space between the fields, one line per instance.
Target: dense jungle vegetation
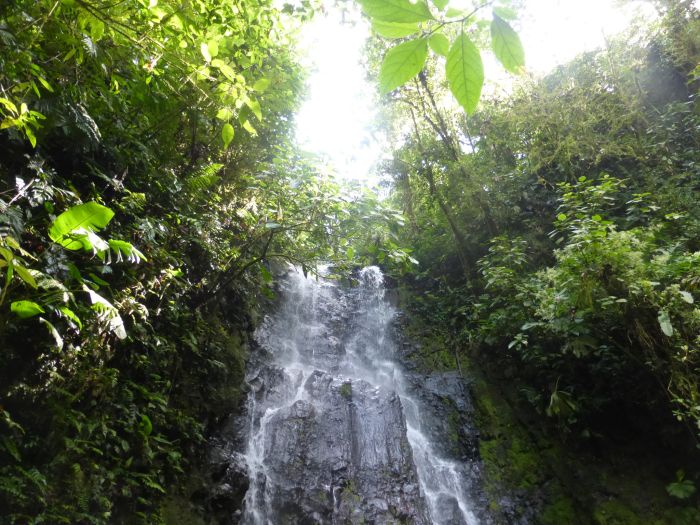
pixel 149 178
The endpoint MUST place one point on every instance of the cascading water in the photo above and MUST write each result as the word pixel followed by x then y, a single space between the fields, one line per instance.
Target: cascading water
pixel 336 434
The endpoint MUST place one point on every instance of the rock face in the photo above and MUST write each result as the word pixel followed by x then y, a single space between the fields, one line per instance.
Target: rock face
pixel 335 430
pixel 339 455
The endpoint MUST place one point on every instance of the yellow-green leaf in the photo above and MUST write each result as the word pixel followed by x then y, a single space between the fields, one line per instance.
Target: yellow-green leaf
pixel 97 29
pixel 439 43
pixel 84 218
pixel 25 275
pixel 465 72
pixel 393 29
pixel 261 84
pixel 402 11
pixel 224 114
pixel 26 309
pixel 254 106
pixel 506 45
pixel 227 134
pixel 401 63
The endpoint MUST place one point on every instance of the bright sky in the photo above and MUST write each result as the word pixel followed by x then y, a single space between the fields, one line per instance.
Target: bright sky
pixel 336 119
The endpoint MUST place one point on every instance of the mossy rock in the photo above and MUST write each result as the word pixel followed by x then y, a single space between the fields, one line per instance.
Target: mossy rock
pixel 614 512
pixel 559 512
pixel 178 511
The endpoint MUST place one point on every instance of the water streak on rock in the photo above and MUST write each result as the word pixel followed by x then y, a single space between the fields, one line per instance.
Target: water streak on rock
pixel 336 432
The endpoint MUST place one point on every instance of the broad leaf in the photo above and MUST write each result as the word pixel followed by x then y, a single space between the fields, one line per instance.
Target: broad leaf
pixel 455 13
pixel 70 314
pixel 465 72
pixel 681 489
pixel 665 323
pixel 81 221
pixel 123 249
pixel 506 13
pixel 506 45
pixel 440 44
pixel 440 4
pixel 26 309
pixel 28 277
pixel 261 84
pixel 227 134
pixel 402 63
pixel 402 11
pixel 394 30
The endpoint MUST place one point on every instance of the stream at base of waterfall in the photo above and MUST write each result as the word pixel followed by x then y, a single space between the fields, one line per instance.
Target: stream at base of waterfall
pixel 338 430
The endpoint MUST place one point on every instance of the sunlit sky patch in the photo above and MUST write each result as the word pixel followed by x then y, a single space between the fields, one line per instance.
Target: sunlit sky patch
pixel 336 119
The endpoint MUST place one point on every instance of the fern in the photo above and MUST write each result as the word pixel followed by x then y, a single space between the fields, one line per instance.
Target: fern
pixel 204 178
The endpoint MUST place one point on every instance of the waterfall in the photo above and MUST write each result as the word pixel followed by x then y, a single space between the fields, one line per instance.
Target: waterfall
pixel 337 434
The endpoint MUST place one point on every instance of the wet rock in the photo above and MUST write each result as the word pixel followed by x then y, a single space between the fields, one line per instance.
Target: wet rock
pixel 338 457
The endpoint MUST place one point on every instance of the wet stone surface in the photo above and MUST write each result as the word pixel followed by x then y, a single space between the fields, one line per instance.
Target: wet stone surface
pixel 335 430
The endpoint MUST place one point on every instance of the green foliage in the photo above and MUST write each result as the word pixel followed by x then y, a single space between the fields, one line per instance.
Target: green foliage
pixel 143 133
pixel 464 68
pixel 346 390
pixel 555 231
pixel 397 11
pixel 401 63
pixel 465 72
pixel 73 228
pixel 506 45
pixel 681 488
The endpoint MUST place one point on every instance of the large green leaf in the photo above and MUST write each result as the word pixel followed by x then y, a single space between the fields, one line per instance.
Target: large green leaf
pixel 465 72
pixel 439 43
pixel 394 30
pixel 402 63
pixel 227 134
pixel 506 45
pixel 26 309
pixel 402 11
pixel 79 219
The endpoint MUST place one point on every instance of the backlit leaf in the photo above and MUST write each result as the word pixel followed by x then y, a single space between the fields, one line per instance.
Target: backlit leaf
pixel 26 309
pixel 81 220
pixel 465 72
pixel 402 11
pixel 394 30
pixel 25 275
pixel 227 134
pixel 506 45
pixel 402 63
pixel 440 44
